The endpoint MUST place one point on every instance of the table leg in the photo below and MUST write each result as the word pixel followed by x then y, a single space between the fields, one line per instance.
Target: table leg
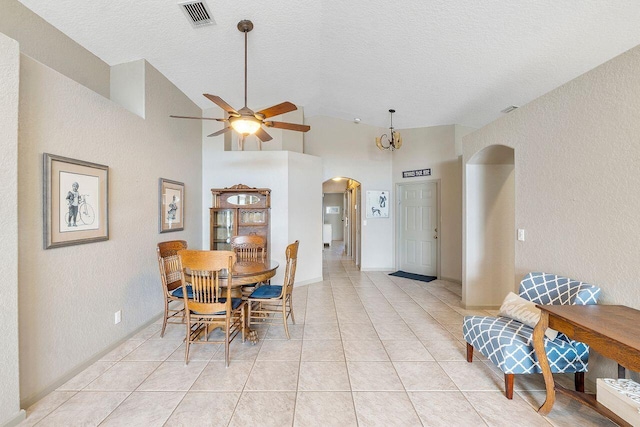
pixel 250 334
pixel 621 371
pixel 538 345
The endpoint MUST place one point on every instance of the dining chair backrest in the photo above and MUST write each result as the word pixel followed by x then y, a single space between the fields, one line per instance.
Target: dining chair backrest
pixel 202 270
pixel 249 248
pixel 291 254
pixel 275 300
pixel 168 263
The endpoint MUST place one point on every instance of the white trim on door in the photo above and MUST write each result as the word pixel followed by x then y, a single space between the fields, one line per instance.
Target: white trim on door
pixel 399 219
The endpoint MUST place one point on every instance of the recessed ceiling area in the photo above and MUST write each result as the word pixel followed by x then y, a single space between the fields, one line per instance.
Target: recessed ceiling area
pixel 435 62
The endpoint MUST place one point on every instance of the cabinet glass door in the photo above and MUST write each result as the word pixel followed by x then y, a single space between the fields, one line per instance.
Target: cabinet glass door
pixel 223 228
pixel 253 216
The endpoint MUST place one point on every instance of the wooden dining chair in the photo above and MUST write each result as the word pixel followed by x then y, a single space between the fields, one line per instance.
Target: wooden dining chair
pixel 249 248
pixel 211 307
pixel 272 299
pixel 171 282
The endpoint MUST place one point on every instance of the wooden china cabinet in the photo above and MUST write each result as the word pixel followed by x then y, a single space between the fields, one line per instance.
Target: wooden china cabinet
pixel 238 211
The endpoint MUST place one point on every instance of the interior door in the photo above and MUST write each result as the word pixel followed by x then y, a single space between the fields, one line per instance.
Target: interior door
pixel 357 219
pixel 347 223
pixel 418 248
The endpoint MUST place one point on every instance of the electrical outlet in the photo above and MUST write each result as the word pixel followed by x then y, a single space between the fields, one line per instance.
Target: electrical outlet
pixel 117 317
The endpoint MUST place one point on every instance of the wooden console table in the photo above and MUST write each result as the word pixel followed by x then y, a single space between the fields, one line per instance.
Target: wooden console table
pixel 611 330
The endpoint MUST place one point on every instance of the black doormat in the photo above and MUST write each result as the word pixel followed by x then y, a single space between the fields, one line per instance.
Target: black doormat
pixel 413 276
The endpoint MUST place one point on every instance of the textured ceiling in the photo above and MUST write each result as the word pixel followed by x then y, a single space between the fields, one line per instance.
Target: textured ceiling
pixel 435 61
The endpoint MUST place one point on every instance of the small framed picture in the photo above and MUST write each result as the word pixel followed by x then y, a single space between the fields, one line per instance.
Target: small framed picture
pixel 171 197
pixel 377 204
pixel 75 205
pixel 332 210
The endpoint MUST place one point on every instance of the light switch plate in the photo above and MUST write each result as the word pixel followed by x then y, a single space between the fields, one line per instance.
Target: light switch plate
pixel 521 234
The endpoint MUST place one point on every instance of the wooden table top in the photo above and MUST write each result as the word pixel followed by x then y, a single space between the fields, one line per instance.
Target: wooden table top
pixel 248 272
pixel 250 268
pixel 611 330
pixel 617 322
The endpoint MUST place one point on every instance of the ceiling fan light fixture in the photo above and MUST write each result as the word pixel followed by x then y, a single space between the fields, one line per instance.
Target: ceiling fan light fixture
pixel 245 121
pixel 245 125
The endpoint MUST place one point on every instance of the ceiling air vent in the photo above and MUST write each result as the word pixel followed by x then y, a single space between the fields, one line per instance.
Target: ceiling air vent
pixel 509 109
pixel 197 13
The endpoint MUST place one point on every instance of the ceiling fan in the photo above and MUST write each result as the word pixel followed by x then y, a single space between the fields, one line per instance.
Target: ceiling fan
pixel 244 120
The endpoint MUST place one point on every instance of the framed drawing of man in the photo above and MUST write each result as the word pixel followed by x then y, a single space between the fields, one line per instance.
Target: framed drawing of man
pixel 171 210
pixel 75 201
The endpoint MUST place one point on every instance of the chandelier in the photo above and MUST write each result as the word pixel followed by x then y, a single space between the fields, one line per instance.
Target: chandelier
pixel 393 143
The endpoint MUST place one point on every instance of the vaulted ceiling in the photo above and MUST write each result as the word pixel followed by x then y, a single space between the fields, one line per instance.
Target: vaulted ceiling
pixel 434 61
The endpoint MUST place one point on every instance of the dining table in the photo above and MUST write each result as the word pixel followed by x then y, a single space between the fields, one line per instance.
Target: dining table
pixel 248 272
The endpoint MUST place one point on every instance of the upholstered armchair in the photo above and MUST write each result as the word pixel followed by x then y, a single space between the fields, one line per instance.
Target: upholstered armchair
pixel 508 343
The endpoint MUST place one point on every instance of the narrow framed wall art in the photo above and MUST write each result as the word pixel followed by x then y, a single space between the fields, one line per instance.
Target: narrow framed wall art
pixel 377 204
pixel 171 206
pixel 76 199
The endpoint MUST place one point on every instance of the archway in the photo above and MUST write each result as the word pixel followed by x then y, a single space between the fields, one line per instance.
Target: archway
pixel 341 201
pixel 489 227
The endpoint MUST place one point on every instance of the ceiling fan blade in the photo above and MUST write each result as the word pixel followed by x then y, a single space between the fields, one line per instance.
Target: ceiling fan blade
pixel 221 131
pixel 198 118
pixel 276 110
pixel 289 126
pixel 222 104
pixel 263 135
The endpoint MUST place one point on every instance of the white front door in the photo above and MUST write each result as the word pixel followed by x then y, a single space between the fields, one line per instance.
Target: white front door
pixel 418 248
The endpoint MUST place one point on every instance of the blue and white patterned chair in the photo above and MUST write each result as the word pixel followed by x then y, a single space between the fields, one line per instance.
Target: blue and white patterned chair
pixel 509 343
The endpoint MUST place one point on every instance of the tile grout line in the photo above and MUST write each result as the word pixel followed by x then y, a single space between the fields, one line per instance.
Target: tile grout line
pixel 449 376
pixel 346 365
pixel 406 392
pixel 295 400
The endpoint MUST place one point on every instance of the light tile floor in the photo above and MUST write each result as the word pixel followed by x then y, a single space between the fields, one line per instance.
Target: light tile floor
pixel 368 349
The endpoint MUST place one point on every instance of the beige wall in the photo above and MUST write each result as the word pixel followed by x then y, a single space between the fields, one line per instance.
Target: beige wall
pixel 577 152
pixel 304 181
pixel 435 148
pixel 349 150
pixel 68 296
pixel 9 366
pixel 45 43
pixel 335 220
pixel 489 252
pixel 127 86
pixel 331 186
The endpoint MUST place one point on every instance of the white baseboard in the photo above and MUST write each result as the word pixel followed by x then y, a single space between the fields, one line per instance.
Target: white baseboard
pixel 481 307
pixel 308 282
pixel 17 419
pixel 386 269
pixel 30 400
pixel 450 280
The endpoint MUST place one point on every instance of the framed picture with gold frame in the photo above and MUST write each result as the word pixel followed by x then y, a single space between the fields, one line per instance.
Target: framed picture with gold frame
pixel 76 198
pixel 171 206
